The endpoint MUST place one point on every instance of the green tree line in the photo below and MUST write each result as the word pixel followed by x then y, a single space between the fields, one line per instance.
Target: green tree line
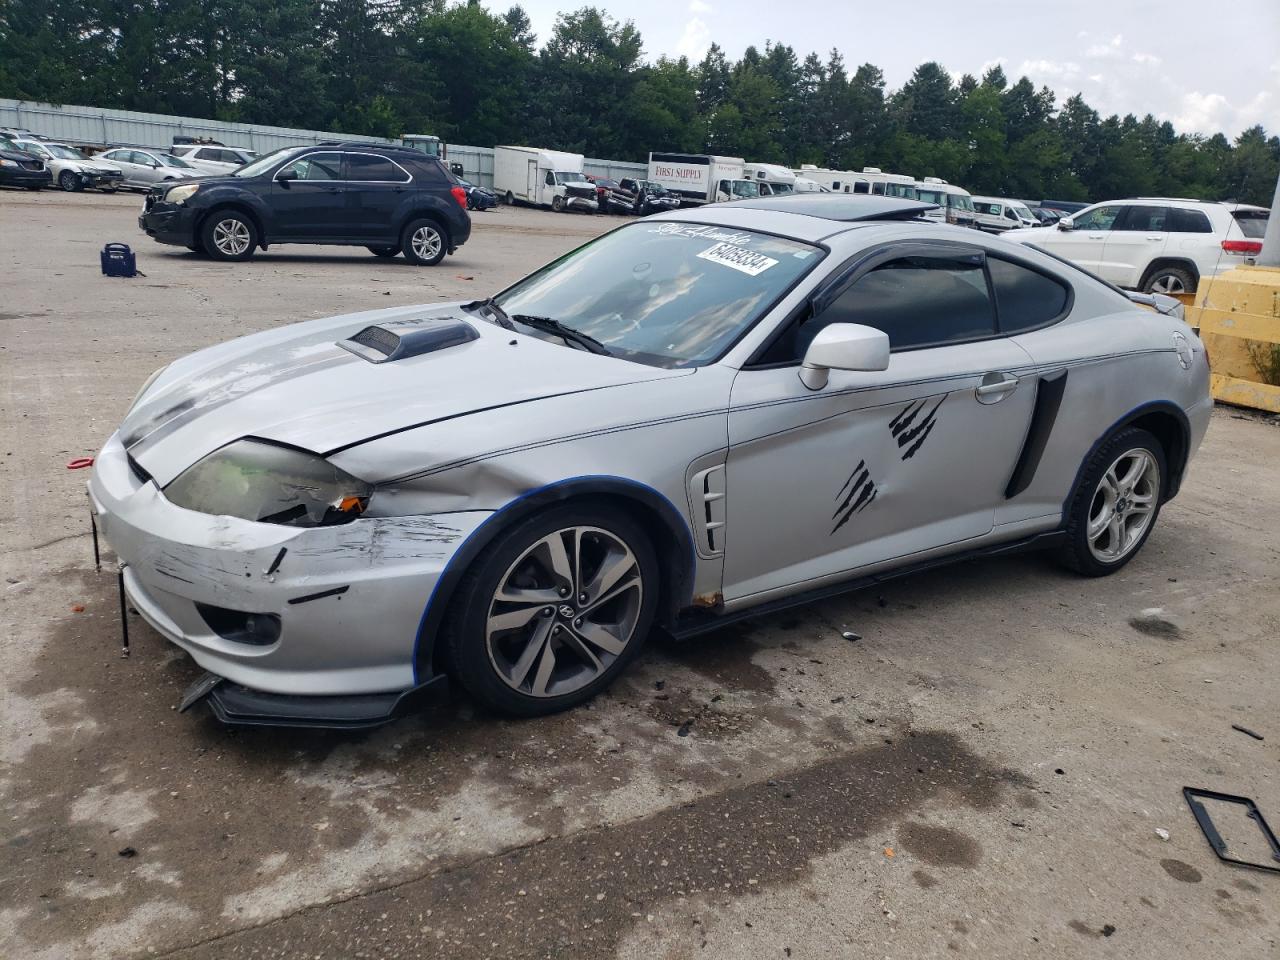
pixel 384 67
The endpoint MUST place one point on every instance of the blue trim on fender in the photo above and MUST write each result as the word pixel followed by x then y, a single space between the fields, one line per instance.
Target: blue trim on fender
pixel 1152 406
pixel 552 492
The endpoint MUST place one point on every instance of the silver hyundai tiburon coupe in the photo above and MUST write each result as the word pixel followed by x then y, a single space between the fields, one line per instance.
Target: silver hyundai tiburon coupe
pixel 697 415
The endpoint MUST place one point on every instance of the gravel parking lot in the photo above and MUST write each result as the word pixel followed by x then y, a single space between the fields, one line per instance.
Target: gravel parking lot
pixel 983 772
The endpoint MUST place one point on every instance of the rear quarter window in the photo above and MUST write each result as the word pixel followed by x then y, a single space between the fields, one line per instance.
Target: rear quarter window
pixel 1026 299
pixel 1188 221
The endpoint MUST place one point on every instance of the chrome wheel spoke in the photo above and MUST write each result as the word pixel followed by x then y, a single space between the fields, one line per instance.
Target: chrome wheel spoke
pixel 558 557
pixel 598 636
pixel 616 565
pixel 537 643
pixel 1099 523
pixel 509 594
pixel 513 619
pixel 613 594
pixel 546 664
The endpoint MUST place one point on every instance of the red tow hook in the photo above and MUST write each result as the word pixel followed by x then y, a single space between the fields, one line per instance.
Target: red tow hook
pixel 79 463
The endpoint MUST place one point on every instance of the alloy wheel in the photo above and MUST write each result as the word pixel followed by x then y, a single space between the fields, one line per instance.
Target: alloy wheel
pixel 1123 505
pixel 1169 284
pixel 426 242
pixel 231 237
pixel 564 611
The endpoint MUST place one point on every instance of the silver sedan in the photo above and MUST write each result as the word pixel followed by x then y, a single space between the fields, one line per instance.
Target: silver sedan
pixel 696 417
pixel 142 168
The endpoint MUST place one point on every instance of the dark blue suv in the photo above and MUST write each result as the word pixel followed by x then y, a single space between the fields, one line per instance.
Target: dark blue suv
pixel 389 199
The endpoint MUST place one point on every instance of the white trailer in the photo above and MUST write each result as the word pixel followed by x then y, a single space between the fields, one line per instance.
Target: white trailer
pixel 871 180
pixel 543 178
pixel 701 178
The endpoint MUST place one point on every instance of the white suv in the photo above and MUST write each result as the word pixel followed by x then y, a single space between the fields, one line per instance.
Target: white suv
pixel 1154 244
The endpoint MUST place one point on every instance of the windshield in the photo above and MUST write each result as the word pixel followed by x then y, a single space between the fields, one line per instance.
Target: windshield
pixel 64 153
pixel 782 188
pixel 960 201
pixel 569 177
pixel 745 188
pixel 903 190
pixel 265 163
pixel 1023 212
pixel 667 294
pixel 169 161
pixel 932 196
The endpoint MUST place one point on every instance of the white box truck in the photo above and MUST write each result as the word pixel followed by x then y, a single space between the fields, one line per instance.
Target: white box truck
pixel 698 178
pixel 544 178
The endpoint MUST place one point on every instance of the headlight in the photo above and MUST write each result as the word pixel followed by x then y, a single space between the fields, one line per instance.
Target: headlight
pixel 146 385
pixel 182 193
pixel 8 163
pixel 260 481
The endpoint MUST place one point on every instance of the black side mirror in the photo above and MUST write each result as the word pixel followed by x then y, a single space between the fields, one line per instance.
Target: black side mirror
pixel 284 176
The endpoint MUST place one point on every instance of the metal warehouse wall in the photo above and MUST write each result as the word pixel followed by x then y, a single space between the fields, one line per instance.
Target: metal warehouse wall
pixel 94 125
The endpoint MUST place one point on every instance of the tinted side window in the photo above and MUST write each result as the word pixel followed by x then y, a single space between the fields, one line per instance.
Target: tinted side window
pixel 370 167
pixel 918 302
pixel 861 186
pixel 1188 221
pixel 878 189
pixel 1143 218
pixel 318 166
pixel 1025 298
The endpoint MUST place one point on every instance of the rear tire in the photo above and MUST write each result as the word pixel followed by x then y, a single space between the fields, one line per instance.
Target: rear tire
pixel 521 642
pixel 511 199
pixel 385 252
pixel 1117 503
pixel 229 235
pixel 424 242
pixel 1170 281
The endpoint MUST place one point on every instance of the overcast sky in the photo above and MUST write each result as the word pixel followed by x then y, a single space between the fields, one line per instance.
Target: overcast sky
pixel 1204 66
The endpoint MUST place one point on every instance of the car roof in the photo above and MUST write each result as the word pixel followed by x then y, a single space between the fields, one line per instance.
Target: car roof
pixel 809 217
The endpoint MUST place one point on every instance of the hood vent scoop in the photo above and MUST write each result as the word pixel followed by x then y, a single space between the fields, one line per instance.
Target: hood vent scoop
pixel 398 339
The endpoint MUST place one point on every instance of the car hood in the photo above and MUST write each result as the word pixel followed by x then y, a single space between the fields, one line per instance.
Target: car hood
pixel 297 386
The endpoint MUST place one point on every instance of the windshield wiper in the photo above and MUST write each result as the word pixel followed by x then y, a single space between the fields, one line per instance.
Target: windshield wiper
pixel 548 325
pixel 499 314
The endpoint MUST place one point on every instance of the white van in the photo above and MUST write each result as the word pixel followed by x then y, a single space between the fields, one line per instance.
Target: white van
pixel 996 214
pixel 836 181
pixel 770 178
pixel 871 180
pixel 954 203
pixel 544 178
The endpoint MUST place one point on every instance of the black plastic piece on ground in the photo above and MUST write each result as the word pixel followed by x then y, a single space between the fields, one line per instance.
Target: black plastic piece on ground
pixel 124 614
pixel 239 706
pixel 1194 795
pixel 97 555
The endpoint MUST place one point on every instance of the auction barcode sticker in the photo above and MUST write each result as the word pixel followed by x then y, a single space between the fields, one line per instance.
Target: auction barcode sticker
pixel 729 255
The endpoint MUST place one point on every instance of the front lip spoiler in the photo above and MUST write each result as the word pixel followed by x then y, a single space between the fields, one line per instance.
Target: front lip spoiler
pixel 239 706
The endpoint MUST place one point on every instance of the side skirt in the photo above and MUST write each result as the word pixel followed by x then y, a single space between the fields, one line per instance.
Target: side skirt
pixel 695 622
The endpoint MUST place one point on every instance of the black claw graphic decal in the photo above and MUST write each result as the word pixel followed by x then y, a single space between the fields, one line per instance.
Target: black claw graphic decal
pixel 910 434
pixel 858 491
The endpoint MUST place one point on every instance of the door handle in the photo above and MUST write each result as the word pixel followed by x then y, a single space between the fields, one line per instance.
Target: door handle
pixel 1155 236
pixel 995 387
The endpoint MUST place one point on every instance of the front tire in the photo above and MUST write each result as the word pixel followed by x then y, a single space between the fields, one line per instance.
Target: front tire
pixel 557 204
pixel 424 243
pixel 1117 503
pixel 1170 281
pixel 229 235
pixel 554 610
pixel 69 182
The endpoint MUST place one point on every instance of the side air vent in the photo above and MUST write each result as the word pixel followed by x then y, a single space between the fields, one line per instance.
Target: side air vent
pixel 706 489
pixel 399 339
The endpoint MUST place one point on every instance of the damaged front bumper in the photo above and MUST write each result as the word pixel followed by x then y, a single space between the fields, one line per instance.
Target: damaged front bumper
pixel 284 614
